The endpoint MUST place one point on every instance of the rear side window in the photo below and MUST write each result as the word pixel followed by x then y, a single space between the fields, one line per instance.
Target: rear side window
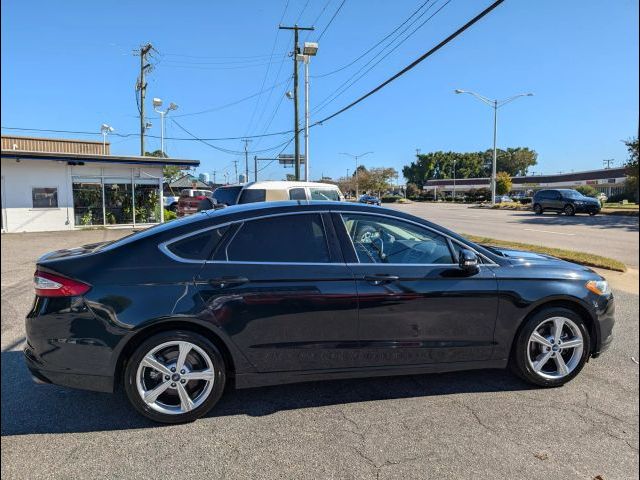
pixel 252 195
pixel 324 194
pixel 200 246
pixel 284 239
pixel 227 195
pixel 297 194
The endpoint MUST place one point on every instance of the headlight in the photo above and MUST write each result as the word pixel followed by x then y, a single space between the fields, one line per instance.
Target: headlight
pixel 599 287
pixel 580 202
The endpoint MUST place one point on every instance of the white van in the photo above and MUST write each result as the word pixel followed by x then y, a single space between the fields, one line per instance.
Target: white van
pixel 272 191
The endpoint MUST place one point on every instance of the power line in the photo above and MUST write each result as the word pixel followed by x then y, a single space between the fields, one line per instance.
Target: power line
pixel 415 62
pixel 364 54
pixel 335 14
pixel 352 80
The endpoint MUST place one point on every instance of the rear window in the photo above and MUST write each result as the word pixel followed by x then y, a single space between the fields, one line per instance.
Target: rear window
pixel 227 195
pixel 324 194
pixel 252 195
pixel 200 246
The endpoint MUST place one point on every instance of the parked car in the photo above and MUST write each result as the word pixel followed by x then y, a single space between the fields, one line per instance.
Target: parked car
pixel 280 292
pixel 170 202
pixel 189 200
pixel 270 191
pixel 369 199
pixel 503 199
pixel 565 201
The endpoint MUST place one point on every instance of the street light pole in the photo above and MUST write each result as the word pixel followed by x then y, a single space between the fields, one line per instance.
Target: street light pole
pixel 495 104
pixel 157 103
pixel 105 130
pixel 356 157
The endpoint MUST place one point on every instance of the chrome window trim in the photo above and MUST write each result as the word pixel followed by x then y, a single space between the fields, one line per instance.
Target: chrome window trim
pixel 163 247
pixel 451 239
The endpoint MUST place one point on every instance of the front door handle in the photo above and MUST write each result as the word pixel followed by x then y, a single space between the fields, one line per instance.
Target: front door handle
pixel 224 282
pixel 381 279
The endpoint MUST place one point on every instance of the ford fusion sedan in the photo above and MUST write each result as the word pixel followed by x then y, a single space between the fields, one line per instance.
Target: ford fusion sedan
pixel 271 293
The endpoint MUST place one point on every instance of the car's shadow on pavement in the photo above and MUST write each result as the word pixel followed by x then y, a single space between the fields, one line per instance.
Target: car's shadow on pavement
pixel 28 408
pixel 627 223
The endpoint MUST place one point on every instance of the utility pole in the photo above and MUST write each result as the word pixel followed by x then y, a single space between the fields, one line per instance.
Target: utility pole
pixel 296 51
pixel 607 163
pixel 214 177
pixel 246 159
pixel 235 166
pixel 142 86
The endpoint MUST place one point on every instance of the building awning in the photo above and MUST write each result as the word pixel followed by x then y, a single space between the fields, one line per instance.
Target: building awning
pixel 79 159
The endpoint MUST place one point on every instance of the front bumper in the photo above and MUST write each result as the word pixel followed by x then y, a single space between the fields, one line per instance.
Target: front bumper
pixel 605 321
pixel 587 208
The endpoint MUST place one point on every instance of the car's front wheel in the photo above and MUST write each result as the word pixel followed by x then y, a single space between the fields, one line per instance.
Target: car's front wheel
pixel 175 377
pixel 537 208
pixel 551 348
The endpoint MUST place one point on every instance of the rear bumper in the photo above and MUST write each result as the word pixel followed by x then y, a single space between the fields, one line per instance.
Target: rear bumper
pixel 95 383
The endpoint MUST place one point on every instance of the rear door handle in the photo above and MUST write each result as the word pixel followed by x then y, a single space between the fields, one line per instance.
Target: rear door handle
pixel 224 282
pixel 381 279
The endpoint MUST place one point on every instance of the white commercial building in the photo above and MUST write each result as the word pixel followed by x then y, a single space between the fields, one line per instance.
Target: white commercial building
pixel 72 184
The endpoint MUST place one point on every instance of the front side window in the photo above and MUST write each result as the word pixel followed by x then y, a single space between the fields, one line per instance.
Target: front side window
pixel 198 247
pixel 387 240
pixel 324 194
pixel 44 197
pixel 282 239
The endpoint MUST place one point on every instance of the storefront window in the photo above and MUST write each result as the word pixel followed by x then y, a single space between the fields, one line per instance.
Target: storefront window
pixel 118 202
pixel 147 201
pixel 87 202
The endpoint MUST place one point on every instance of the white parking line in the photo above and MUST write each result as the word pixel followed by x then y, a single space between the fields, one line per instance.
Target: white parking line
pixel 549 231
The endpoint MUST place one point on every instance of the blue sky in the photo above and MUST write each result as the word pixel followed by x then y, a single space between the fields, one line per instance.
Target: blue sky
pixel 68 66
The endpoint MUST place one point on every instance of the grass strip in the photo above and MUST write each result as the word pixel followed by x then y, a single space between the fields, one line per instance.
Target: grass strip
pixel 582 258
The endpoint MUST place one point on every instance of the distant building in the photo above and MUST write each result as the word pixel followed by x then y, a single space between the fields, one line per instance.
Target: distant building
pixel 61 184
pixel 610 181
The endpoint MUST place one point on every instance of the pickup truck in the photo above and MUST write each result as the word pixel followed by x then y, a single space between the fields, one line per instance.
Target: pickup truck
pixel 189 200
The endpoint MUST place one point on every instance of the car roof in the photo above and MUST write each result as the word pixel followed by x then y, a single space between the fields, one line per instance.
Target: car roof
pixel 282 184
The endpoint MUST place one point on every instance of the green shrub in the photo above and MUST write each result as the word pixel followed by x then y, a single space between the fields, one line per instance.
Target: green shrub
pixel 587 190
pixel 390 198
pixel 169 215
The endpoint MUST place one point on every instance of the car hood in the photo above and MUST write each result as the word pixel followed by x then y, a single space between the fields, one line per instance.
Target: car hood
pixel 532 259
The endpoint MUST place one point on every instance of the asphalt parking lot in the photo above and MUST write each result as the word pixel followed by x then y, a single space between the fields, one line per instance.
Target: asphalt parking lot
pixel 609 235
pixel 484 424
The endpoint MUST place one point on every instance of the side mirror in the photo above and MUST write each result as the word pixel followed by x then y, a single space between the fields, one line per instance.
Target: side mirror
pixel 468 261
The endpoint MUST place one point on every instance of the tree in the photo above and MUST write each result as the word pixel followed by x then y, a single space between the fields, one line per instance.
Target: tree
pixel 375 180
pixel 631 183
pixel 514 161
pixel 587 190
pixel 412 190
pixel 170 172
pixel 503 183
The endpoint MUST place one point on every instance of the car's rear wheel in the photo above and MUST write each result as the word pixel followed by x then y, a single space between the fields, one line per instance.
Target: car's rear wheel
pixel 569 210
pixel 537 208
pixel 175 377
pixel 551 348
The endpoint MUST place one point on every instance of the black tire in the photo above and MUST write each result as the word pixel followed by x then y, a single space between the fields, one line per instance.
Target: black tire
pixel 131 369
pixel 569 210
pixel 537 208
pixel 519 361
pixel 592 214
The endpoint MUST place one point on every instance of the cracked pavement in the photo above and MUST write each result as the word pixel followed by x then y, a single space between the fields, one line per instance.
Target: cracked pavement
pixel 460 425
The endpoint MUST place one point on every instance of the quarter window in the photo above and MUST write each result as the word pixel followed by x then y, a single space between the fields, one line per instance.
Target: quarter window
pixel 44 197
pixel 252 195
pixel 297 194
pixel 200 246
pixel 386 240
pixel 283 239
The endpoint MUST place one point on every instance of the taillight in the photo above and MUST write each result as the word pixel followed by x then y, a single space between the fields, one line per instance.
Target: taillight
pixel 51 285
pixel 200 197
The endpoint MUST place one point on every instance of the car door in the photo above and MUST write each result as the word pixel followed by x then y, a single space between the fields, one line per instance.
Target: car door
pixel 280 289
pixel 555 200
pixel 415 305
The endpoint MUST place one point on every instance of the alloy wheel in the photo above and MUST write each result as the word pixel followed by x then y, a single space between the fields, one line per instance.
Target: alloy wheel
pixel 555 348
pixel 175 377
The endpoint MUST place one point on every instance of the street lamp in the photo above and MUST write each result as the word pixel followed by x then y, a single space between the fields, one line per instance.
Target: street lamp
pixel 356 157
pixel 157 103
pixel 495 104
pixel 310 50
pixel 105 130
